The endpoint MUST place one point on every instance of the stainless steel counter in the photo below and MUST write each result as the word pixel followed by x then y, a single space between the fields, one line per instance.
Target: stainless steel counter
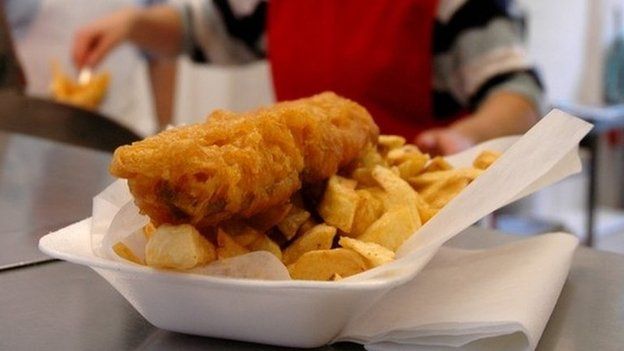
pixel 61 306
pixel 44 185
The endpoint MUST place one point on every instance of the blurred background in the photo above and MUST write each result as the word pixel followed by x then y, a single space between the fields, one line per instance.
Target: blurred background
pixel 576 45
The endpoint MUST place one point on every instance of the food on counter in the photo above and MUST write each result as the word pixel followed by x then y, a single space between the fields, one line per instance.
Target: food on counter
pixel 309 181
pixel 88 95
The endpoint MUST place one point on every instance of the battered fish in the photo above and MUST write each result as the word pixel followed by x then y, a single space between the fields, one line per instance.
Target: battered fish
pixel 239 165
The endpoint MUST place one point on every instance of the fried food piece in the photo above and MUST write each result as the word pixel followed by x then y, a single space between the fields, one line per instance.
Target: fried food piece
pixel 240 165
pixel 67 90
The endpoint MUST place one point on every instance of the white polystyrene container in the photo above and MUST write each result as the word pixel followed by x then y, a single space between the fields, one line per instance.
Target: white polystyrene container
pixel 286 313
pixel 307 313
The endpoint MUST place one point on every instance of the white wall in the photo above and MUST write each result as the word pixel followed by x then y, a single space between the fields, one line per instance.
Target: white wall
pixel 568 40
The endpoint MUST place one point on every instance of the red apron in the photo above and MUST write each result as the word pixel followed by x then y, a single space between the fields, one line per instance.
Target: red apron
pixel 375 52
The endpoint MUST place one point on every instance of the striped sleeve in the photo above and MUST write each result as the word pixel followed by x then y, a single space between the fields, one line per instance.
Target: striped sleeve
pixel 224 32
pixel 478 51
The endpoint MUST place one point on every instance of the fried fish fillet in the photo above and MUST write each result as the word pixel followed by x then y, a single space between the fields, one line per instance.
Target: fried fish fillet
pixel 239 165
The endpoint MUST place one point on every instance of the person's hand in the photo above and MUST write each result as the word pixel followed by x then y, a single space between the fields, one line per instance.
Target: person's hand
pixel 93 42
pixel 443 141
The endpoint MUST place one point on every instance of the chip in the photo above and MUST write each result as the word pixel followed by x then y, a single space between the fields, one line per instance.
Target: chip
pixel 401 218
pixel 243 234
pixel 370 208
pixel 149 229
pixel 307 225
pixel 375 254
pixel 364 166
pixel 404 153
pixel 411 167
pixel 339 203
pixel 178 247
pixel 437 164
pixel 391 229
pixel 442 192
pixel 265 220
pixel 426 212
pixel 336 277
pixel 400 195
pixel 264 243
pixel 370 158
pixel 124 252
pixel 320 237
pixel 228 247
pixel 424 180
pixel 485 159
pixel 390 142
pixel 290 225
pixel 327 265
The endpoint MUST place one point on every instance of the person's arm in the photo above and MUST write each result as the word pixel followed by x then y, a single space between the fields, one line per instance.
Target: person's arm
pixel 484 68
pixel 502 113
pixel 208 31
pixel 156 29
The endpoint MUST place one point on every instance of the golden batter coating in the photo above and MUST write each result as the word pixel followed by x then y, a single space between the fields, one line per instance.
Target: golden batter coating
pixel 242 164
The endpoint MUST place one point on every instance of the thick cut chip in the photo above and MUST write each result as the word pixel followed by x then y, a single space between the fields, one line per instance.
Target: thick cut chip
pixel 404 153
pixel 293 221
pixel 178 247
pixel 412 166
pixel 400 195
pixel 124 252
pixel 228 247
pixel 370 208
pixel 370 158
pixel 485 159
pixel 307 225
pixel 269 218
pixel 363 176
pixel 440 193
pixel 264 243
pixel 327 264
pixel 345 182
pixel 149 229
pixel 437 164
pixel 320 237
pixel 243 234
pixel 375 254
pixel 247 237
pixel 364 166
pixel 336 277
pixel 424 180
pixel 391 229
pixel 339 203
pixel 390 142
pixel 426 212
pixel 408 159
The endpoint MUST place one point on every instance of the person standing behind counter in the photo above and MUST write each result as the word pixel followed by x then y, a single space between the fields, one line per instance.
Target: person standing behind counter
pixel 446 74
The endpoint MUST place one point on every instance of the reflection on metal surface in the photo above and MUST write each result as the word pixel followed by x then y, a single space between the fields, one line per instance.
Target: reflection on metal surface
pixel 44 186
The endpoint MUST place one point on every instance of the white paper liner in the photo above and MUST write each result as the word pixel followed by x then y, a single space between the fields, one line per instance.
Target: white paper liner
pixel 495 299
pixel 544 155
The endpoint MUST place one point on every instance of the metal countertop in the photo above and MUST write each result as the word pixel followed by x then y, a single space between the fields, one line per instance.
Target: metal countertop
pixel 60 306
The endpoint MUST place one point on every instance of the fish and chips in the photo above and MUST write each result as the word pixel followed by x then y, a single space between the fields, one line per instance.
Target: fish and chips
pixel 310 181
